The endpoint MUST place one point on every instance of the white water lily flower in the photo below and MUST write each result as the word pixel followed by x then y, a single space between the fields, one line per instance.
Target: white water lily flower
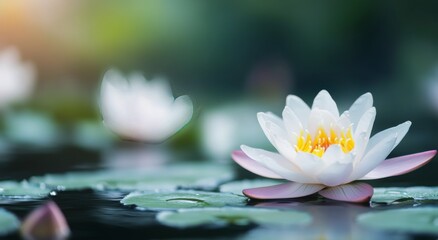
pixel 17 78
pixel 320 150
pixel 142 110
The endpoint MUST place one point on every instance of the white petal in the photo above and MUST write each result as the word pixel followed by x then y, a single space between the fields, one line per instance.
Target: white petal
pixel 400 130
pixel 113 102
pixel 292 122
pixel 249 164
pixel 182 111
pixel 374 157
pixel 320 119
pixel 339 166
pixel 17 78
pixel 159 123
pixel 308 163
pixel 159 127
pixel 324 101
pixel 335 174
pixel 366 122
pixel 334 154
pixel 276 163
pixel 285 148
pixel 270 126
pixel 359 107
pixel 299 107
pixel 344 121
pixel 114 77
pixel 360 145
pixel 275 119
pixel 160 89
pixel 277 136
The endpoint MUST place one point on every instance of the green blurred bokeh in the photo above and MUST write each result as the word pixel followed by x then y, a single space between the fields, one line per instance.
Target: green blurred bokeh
pixel 221 52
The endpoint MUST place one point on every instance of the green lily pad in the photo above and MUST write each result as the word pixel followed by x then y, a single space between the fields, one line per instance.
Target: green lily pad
pixel 396 195
pixel 31 128
pixel 22 190
pixel 236 187
pixel 230 215
pixel 415 220
pixel 8 222
pixel 181 199
pixel 202 176
pixel 70 181
pixel 92 135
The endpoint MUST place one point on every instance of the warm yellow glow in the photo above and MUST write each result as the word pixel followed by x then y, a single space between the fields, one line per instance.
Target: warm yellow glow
pixel 321 141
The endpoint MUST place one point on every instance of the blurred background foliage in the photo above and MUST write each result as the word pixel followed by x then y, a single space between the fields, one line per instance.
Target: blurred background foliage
pixel 234 57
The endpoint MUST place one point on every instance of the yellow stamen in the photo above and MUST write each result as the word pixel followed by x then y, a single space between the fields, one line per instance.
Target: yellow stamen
pixel 321 141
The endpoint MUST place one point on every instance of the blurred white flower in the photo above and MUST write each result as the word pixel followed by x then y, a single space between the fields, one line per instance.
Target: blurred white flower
pixel 431 90
pixel 17 79
pixel 142 110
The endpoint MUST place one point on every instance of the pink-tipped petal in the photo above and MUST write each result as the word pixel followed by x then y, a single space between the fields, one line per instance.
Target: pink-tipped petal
pixel 354 192
pixel 249 164
pixel 400 165
pixel 285 190
pixel 45 222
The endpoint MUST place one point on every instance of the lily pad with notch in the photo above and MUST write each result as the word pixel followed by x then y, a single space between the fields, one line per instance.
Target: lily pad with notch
pixel 241 216
pixel 423 220
pixel 181 199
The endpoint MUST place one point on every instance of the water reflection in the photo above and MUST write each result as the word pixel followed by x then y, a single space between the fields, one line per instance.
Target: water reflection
pixel 111 212
pixel 136 156
pixel 331 220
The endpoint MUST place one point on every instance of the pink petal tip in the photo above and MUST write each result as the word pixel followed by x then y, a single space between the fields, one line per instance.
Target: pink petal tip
pixel 249 164
pixel 353 192
pixel 45 222
pixel 400 165
pixel 284 190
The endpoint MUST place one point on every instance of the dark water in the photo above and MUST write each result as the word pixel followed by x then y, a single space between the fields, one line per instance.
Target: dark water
pixel 99 214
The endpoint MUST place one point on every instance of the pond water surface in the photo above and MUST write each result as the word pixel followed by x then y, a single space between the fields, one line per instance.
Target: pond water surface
pixel 98 213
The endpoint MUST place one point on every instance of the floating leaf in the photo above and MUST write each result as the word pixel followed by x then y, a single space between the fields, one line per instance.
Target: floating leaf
pixel 70 181
pixel 205 176
pixel 394 195
pixel 415 220
pixel 8 222
pixel 236 187
pixel 230 215
pixel 22 190
pixel 181 199
pixel 92 135
pixel 31 128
